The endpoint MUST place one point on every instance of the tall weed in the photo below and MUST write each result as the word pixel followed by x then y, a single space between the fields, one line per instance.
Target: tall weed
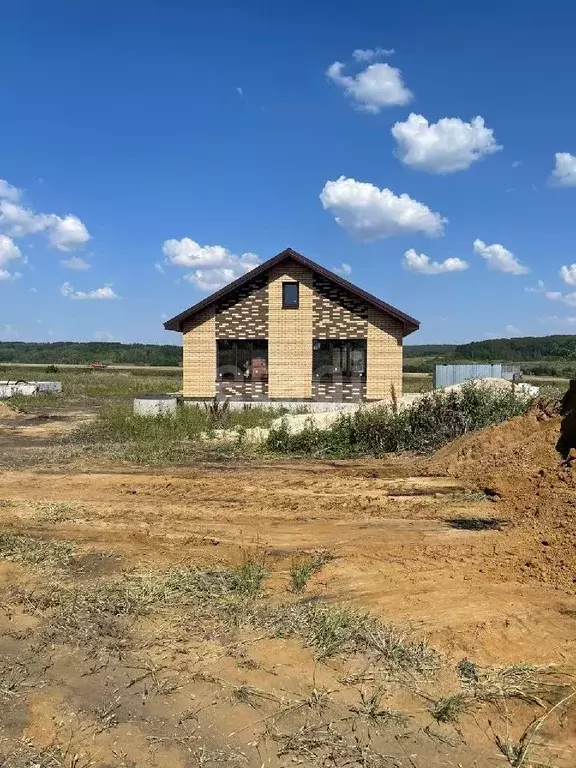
pixel 431 422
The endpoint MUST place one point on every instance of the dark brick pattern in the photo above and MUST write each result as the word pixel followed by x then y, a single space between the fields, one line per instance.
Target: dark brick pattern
pixel 339 391
pixel 244 313
pixel 338 314
pixel 242 390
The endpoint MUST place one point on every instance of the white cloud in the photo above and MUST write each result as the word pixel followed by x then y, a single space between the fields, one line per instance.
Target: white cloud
pixel 559 320
pixel 8 192
pixel 8 332
pixel 64 233
pixel 538 288
pixel 568 274
pixel 212 265
pixel 368 213
pixel 75 262
pixel 447 146
pixel 9 252
pixel 499 258
pixel 239 90
pixel 376 87
pixel 419 262
pixel 512 330
pixel 369 54
pixel 564 173
pixel 344 269
pixel 98 293
pixel 104 336
pixel 68 233
pixel 566 298
pixel 159 268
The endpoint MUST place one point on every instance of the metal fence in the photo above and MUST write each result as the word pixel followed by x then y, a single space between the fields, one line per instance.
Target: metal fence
pixel 446 375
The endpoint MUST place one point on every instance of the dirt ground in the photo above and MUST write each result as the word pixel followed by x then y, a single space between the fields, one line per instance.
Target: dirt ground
pixel 471 553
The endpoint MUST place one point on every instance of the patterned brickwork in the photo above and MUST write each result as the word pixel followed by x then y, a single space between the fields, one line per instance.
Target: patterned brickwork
pixel 339 392
pixel 384 356
pixel 290 335
pixel 199 355
pixel 243 390
pixel 244 313
pixel 338 314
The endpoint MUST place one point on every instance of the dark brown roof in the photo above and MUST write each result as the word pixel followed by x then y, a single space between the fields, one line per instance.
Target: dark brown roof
pixel 175 323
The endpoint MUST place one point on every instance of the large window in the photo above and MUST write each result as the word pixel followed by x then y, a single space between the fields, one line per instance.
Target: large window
pixel 242 360
pixel 339 359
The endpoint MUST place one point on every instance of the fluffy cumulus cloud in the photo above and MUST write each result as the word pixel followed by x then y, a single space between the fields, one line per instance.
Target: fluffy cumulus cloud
pixel 447 146
pixel 9 252
pixel 499 258
pixel 376 87
pixel 568 274
pixel 368 213
pixel 565 298
pixel 212 266
pixel 106 292
pixel 369 54
pixel 420 262
pixel 64 233
pixel 75 262
pixel 564 173
pixel 8 192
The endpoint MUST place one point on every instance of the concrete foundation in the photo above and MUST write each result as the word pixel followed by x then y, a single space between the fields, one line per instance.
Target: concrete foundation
pixel 155 405
pixel 27 388
pixel 311 406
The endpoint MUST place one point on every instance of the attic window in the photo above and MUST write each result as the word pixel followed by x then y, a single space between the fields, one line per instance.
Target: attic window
pixel 290 295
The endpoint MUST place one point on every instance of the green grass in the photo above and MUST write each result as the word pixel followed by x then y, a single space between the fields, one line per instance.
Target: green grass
pixel 431 422
pixel 99 383
pixel 120 434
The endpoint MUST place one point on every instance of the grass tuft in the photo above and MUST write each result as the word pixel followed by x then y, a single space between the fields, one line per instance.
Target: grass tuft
pixel 450 708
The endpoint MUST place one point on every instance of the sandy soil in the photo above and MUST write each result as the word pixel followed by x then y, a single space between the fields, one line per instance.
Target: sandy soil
pixel 398 548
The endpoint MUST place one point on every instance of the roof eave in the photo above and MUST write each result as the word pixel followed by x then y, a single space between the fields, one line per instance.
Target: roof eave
pixel 409 323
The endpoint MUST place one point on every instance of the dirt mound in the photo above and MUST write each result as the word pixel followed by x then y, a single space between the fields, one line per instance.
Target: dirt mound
pixel 8 411
pixel 517 464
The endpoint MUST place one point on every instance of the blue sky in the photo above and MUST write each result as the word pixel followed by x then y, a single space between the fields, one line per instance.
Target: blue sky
pixel 153 149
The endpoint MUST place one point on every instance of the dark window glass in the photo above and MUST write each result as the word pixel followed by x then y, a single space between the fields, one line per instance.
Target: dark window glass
pixel 242 359
pixel 339 358
pixel 290 295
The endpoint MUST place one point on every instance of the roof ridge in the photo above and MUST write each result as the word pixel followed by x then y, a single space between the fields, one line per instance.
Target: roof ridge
pixel 175 323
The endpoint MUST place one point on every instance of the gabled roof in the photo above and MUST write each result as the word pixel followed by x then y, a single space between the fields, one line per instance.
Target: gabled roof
pixel 410 324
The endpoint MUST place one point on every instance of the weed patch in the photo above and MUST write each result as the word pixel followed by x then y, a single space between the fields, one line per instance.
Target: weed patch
pixel 25 549
pixel 433 421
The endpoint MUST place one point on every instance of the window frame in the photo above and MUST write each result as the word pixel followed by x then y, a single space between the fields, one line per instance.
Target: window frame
pixel 346 348
pixel 237 375
pixel 297 304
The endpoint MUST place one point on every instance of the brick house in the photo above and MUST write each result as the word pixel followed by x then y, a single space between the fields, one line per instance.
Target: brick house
pixel 292 330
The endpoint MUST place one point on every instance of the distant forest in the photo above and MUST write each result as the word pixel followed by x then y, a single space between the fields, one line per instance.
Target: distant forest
pixel 79 353
pixel 545 355
pixel 538 355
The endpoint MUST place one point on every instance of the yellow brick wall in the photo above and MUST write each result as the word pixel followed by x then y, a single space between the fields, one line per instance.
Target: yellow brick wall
pixel 384 355
pixel 290 335
pixel 199 355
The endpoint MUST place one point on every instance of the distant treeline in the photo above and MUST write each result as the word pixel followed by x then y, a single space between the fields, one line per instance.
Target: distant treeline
pixel 80 353
pixel 529 348
pixel 537 355
pixel 544 355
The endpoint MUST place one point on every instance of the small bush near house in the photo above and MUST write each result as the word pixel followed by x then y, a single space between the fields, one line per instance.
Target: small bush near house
pixel 434 420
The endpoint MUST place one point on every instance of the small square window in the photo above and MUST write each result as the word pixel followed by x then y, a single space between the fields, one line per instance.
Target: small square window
pixel 290 295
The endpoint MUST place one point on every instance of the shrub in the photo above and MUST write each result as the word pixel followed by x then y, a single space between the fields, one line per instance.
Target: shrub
pixel 434 420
